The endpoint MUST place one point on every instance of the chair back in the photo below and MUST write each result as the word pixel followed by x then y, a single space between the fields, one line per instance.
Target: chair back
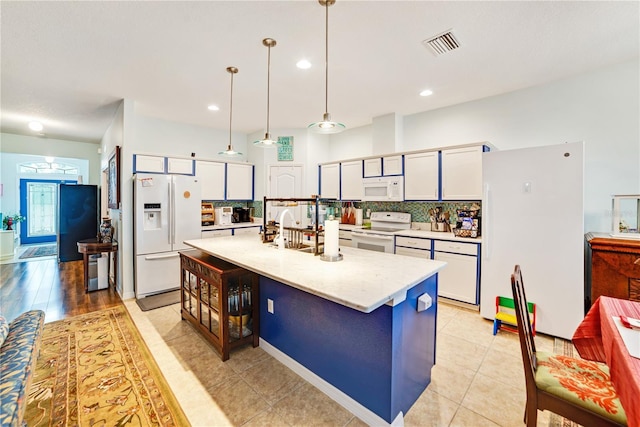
pixel 525 332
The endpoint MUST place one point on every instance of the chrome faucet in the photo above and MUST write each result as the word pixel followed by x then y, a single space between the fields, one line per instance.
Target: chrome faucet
pixel 281 239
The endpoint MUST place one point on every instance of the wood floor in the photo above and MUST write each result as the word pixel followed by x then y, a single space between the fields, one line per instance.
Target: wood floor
pixel 55 288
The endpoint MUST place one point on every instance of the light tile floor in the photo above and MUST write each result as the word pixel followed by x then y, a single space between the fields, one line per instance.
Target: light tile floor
pixel 478 379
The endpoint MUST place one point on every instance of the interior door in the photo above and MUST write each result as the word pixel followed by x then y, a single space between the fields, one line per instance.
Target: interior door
pixel 285 182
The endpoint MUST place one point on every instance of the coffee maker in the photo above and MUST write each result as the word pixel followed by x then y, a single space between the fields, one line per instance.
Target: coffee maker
pixel 241 215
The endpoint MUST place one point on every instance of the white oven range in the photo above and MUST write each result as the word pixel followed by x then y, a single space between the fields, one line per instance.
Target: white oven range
pixel 380 237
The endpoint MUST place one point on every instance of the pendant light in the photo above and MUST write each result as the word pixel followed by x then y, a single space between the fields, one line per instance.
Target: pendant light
pixel 267 142
pixel 326 125
pixel 230 151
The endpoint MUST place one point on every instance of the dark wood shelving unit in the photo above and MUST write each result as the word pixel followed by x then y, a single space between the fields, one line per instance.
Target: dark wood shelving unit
pixel 221 300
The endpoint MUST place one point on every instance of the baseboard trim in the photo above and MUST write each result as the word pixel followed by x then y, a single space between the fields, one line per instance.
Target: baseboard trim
pixel 338 396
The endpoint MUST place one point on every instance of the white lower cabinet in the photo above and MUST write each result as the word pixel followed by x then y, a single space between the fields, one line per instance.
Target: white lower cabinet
pixel 344 238
pixel 206 234
pixel 246 230
pixel 416 253
pixel 459 279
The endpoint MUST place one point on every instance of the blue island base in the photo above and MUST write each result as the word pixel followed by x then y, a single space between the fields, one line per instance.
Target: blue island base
pixel 380 361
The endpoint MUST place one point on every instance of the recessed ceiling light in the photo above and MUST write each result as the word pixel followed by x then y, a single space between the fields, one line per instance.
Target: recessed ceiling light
pixel 213 107
pixel 303 64
pixel 426 92
pixel 35 126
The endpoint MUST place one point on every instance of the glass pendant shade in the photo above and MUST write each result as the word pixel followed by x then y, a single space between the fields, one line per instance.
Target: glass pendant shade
pixel 267 141
pixel 230 152
pixel 326 126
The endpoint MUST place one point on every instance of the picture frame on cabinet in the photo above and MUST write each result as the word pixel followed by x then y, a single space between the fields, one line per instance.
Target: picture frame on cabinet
pixel 113 179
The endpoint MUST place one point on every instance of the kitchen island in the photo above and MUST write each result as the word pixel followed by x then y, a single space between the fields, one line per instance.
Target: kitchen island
pixel 351 328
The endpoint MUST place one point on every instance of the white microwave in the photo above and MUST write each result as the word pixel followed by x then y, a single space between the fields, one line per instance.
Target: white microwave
pixel 383 189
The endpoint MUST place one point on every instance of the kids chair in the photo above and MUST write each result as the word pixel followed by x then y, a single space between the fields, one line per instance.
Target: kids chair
pixel 506 316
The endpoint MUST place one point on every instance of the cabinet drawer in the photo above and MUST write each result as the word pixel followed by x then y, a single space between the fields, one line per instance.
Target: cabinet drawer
pixel 205 234
pixel 344 234
pixel 413 242
pixel 246 230
pixel 416 253
pixel 456 247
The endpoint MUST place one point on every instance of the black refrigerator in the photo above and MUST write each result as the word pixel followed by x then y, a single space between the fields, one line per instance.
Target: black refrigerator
pixel 78 218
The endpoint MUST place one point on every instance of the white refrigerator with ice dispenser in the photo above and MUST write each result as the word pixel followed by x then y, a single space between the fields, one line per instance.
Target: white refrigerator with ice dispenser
pixel 532 215
pixel 167 212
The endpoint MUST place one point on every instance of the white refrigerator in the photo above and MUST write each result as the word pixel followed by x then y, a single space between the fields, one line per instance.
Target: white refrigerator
pixel 532 215
pixel 167 212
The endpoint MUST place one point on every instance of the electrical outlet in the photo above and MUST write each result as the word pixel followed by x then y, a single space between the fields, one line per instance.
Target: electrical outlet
pixel 270 305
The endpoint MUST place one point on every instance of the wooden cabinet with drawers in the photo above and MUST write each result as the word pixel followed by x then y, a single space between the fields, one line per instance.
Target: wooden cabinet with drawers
pixel 221 300
pixel 612 268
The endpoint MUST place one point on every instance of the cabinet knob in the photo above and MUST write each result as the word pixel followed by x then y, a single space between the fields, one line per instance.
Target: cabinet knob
pixel 637 262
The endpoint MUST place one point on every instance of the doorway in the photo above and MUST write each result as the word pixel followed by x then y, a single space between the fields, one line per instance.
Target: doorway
pixel 285 182
pixel 39 206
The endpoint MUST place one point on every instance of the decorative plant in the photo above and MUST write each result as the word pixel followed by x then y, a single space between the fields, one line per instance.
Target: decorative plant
pixel 9 220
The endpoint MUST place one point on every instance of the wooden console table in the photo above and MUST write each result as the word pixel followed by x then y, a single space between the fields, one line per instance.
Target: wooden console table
pixel 93 247
pixel 612 268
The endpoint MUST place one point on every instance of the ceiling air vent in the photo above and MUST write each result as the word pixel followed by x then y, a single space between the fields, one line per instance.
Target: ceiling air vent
pixel 442 43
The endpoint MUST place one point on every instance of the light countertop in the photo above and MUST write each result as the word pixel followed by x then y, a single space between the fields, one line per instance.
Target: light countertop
pixel 363 280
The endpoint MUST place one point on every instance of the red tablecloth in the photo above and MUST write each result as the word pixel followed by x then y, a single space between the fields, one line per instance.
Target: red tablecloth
pixel 597 338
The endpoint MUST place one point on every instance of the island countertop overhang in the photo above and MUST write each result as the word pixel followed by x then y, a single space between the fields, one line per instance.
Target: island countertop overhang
pixel 363 280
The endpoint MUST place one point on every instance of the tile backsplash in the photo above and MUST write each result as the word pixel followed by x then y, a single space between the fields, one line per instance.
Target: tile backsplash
pixel 419 210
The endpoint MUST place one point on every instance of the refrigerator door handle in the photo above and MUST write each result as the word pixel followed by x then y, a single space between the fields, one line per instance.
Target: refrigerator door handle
pixel 486 207
pixel 162 256
pixel 172 207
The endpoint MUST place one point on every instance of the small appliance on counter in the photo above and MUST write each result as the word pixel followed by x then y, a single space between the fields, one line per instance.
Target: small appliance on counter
pixel 207 213
pixel 468 223
pixel 223 215
pixel 241 215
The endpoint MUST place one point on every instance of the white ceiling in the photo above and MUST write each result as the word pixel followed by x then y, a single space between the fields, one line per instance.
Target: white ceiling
pixel 68 64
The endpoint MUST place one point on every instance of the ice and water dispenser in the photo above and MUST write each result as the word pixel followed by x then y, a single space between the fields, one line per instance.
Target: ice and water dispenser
pixel 152 216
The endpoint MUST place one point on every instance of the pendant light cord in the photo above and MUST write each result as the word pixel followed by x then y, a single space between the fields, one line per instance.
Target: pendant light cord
pixel 230 109
pixel 268 85
pixel 326 59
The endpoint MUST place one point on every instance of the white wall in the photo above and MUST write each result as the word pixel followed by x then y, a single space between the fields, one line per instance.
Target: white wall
pixel 157 136
pixel 309 149
pixel 356 142
pixel 19 148
pixel 114 136
pixel 601 107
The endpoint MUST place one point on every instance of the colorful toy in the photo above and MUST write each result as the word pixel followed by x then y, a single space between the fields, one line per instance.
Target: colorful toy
pixel 506 316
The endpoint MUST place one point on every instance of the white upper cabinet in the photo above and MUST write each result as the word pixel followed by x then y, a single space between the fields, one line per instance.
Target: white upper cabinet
pixel 239 181
pixel 330 181
pixel 392 165
pixel 421 176
pixel 372 167
pixel 383 166
pixel 180 166
pixel 158 164
pixel 153 164
pixel 462 173
pixel 351 180
pixel 211 176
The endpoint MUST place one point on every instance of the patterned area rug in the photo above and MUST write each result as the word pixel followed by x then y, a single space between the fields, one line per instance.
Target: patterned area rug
pixel 38 251
pixel 566 348
pixel 95 369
